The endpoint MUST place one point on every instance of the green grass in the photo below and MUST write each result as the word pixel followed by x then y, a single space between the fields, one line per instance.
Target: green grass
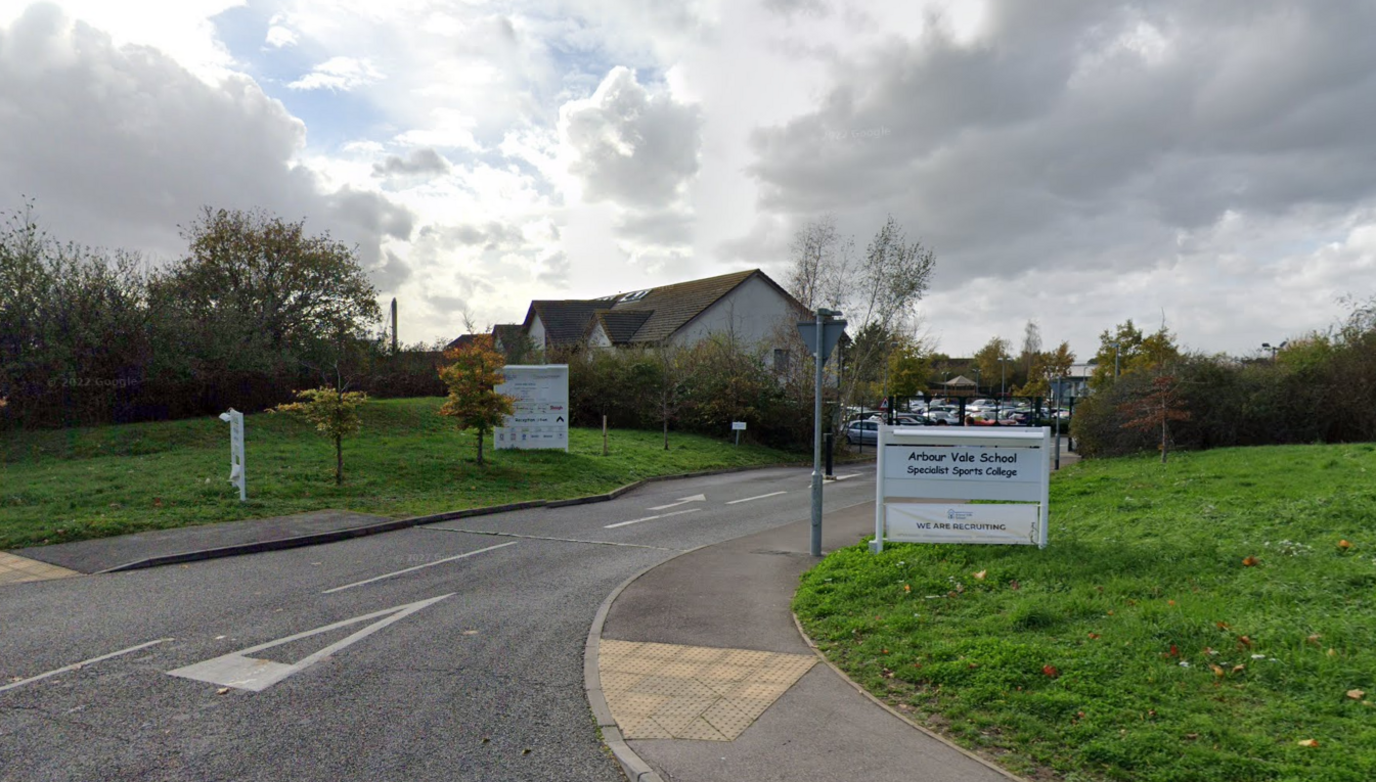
pixel 64 485
pixel 1138 646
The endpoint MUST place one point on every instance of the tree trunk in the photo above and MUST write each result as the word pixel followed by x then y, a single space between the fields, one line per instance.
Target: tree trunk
pixel 1163 436
pixel 480 446
pixel 338 461
pixel 666 432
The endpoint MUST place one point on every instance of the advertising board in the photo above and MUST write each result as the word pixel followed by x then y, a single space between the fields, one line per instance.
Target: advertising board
pixel 540 416
pixel 941 465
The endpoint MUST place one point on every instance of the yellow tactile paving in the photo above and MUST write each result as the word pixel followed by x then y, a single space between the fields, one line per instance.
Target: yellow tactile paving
pixel 15 569
pixel 667 691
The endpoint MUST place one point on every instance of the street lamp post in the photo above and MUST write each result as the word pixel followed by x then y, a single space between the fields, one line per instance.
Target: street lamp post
pixel 1273 348
pixel 1115 358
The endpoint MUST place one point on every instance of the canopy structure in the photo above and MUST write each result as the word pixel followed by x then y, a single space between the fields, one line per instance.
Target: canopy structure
pixel 959 385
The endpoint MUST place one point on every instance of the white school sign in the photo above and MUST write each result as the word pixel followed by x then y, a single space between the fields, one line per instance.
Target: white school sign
pixel 958 463
pixel 540 416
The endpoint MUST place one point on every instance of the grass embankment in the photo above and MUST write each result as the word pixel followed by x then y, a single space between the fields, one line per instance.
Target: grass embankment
pixel 1192 622
pixel 58 486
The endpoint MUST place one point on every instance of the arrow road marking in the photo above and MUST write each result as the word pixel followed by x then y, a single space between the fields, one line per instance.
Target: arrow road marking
pixel 417 567
pixel 682 501
pixel 238 670
pixel 75 666
pixel 762 496
pixel 652 518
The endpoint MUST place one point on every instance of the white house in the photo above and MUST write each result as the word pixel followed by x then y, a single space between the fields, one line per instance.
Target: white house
pixel 748 305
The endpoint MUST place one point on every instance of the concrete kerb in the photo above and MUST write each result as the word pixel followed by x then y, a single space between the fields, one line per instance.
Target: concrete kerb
pixel 637 770
pixel 896 713
pixel 335 536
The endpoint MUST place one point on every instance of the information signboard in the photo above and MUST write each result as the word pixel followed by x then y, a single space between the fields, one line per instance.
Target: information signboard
pixel 942 464
pixel 540 417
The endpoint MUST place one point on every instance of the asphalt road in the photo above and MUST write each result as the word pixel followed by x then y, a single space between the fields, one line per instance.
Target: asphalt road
pixel 464 662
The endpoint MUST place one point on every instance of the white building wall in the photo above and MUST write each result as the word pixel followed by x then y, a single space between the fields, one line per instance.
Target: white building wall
pixel 754 312
pixel 537 333
pixel 598 338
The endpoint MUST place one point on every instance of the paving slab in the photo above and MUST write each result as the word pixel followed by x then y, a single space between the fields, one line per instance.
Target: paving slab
pixel 103 554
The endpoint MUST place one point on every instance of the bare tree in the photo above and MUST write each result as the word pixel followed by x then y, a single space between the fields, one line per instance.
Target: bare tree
pixel 1031 345
pixel 821 257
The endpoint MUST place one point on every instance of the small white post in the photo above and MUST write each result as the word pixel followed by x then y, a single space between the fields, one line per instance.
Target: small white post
pixel 235 419
pixel 877 545
pixel 1046 487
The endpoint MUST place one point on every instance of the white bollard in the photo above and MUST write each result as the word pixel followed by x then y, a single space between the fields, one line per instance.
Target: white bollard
pixel 235 419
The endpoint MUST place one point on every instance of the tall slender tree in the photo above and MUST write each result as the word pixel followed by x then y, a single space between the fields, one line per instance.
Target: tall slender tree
pixel 472 379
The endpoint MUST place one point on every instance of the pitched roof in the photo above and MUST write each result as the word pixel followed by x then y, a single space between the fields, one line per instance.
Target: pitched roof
pixel 620 326
pixel 565 321
pixel 506 335
pixel 461 341
pixel 672 306
pixel 642 317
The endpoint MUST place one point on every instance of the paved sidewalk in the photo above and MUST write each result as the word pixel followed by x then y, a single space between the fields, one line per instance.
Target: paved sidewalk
pixel 671 661
pixel 16 570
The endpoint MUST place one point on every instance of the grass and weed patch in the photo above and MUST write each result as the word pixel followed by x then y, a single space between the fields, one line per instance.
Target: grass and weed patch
pixel 1196 621
pixel 72 484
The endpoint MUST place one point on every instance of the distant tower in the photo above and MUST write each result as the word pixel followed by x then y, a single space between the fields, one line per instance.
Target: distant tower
pixel 394 324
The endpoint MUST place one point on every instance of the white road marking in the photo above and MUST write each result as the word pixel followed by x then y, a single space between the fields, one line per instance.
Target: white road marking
pixel 762 496
pixel 491 533
pixel 848 476
pixel 682 501
pixel 75 666
pixel 240 671
pixel 651 518
pixel 417 567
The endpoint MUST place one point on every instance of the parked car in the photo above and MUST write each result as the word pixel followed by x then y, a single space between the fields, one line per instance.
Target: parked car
pixel 863 433
pixel 906 419
pixel 943 418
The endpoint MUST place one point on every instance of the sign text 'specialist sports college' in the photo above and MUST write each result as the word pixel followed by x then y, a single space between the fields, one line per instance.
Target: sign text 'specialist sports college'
pixel 541 407
pixel 939 464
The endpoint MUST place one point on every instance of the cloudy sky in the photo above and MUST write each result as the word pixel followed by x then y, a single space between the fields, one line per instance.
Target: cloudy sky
pixel 1073 162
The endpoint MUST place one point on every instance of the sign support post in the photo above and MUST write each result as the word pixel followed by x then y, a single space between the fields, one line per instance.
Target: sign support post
pixel 820 339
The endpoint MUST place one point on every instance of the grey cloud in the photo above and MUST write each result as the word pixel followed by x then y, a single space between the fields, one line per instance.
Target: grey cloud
pixel 662 227
pixel 392 273
pixel 491 236
pixel 788 8
pixel 419 162
pixel 371 212
pixel 634 148
pixel 118 144
pixel 1068 136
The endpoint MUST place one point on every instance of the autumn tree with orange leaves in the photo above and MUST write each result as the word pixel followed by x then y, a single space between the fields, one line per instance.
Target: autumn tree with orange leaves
pixel 472 379
pixel 1156 409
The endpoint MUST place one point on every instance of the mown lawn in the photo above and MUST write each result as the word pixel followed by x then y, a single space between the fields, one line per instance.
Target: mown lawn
pixel 72 484
pixel 1213 619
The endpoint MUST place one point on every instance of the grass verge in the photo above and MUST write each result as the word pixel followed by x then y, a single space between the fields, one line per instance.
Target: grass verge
pixel 58 486
pixel 1210 620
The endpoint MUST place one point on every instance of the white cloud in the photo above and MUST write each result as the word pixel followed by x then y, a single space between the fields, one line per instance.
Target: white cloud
pixel 340 74
pixel 629 145
pixel 1079 163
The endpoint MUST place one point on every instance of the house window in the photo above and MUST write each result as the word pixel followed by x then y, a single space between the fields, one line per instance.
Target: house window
pixel 780 360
